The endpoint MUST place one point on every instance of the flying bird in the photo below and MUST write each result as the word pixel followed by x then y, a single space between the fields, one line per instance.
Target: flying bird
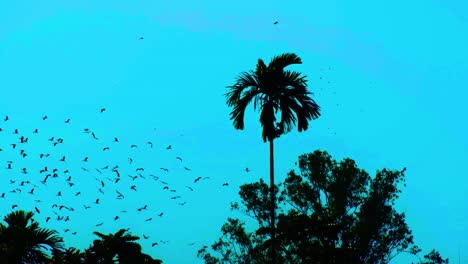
pixel 276 22
pixel 169 147
pixel 103 109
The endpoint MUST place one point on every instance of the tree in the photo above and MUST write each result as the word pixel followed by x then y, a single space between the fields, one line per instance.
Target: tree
pixel 433 257
pixel 69 256
pixel 332 212
pixel 23 241
pixel 119 247
pixel 275 90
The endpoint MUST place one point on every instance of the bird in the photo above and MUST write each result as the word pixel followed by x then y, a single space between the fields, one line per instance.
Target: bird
pixel 37 210
pixel 67 121
pixel 275 23
pixel 154 244
pixel 97 201
pixel 179 158
pixel 141 38
pixel 100 224
pixel 116 139
pixel 247 169
pixel 225 184
pixel 404 169
pixel 149 219
pixel 161 214
pixel 44 117
pixel 116 217
pixel 169 147
pixel 103 109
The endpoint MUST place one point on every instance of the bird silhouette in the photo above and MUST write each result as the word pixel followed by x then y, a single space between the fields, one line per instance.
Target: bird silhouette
pixel 276 22
pixel 103 109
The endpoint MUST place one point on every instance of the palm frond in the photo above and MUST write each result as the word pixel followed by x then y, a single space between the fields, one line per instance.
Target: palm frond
pixel 237 114
pixel 279 62
pixel 243 81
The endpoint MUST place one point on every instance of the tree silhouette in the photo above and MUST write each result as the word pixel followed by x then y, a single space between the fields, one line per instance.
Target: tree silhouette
pixel 23 241
pixel 335 213
pixel 433 257
pixel 274 90
pixel 69 256
pixel 117 248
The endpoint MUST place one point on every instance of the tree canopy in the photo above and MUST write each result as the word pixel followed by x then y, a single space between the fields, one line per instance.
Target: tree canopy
pixel 331 212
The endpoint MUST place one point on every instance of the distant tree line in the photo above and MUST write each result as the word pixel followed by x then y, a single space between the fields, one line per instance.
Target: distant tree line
pixel 22 241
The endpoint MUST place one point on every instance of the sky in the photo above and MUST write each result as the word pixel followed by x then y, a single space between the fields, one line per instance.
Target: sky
pixel 388 77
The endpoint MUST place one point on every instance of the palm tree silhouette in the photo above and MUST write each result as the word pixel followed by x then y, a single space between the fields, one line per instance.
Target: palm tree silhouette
pixel 273 90
pixel 23 241
pixel 119 246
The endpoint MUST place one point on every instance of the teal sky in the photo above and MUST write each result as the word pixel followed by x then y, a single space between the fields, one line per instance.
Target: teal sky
pixel 389 78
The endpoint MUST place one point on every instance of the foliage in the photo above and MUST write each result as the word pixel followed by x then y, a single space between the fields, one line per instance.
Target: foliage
pixel 336 213
pixel 433 257
pixel 273 89
pixel 23 241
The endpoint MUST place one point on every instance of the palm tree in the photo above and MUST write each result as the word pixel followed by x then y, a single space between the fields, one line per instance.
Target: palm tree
pixel 69 256
pixel 274 90
pixel 119 246
pixel 22 241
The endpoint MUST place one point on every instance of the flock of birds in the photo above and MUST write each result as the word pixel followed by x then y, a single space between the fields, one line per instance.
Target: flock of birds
pixel 30 176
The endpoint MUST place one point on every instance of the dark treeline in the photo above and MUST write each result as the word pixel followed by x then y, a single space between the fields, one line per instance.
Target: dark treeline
pixel 22 240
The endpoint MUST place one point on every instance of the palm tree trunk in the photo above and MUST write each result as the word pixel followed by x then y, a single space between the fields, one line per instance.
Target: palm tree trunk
pixel 272 197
